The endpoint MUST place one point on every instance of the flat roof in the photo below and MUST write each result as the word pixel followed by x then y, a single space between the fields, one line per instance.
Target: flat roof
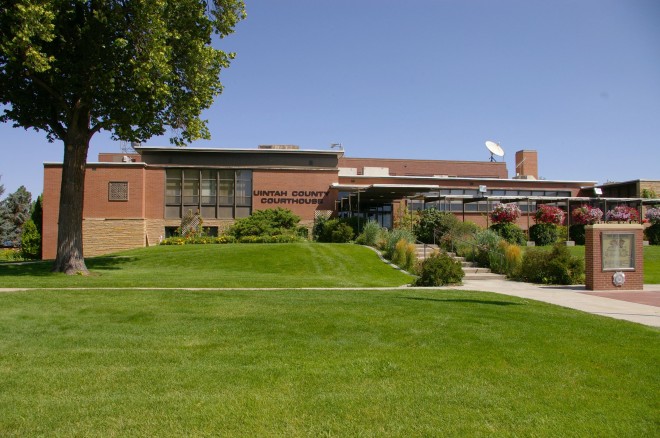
pixel 185 149
pixel 476 178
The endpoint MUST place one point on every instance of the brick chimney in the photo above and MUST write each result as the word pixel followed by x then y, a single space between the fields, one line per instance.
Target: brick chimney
pixel 527 165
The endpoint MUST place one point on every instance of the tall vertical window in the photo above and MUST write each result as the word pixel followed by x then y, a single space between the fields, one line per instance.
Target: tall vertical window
pixel 173 193
pixel 222 194
pixel 243 193
pixel 191 188
pixel 209 184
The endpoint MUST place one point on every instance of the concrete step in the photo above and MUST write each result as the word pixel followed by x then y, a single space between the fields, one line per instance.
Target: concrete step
pixel 476 270
pixel 484 276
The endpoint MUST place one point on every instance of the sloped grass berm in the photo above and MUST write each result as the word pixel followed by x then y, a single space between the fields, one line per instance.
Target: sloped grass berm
pixel 231 265
pixel 319 363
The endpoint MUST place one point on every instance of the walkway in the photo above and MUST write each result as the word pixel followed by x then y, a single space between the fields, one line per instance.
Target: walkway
pixel 642 307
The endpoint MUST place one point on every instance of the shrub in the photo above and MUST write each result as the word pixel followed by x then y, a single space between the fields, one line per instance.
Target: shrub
pixel 269 222
pixel 438 270
pixel 404 255
pixel 578 234
pixel 562 233
pixel 342 233
pixel 649 193
pixel 393 237
pixel 319 225
pixel 512 258
pixel 11 255
pixel 370 234
pixel 433 224
pixel 505 213
pixel 30 241
pixel 197 240
pixel 555 267
pixel 510 232
pixel 548 214
pixel 653 234
pixel 486 242
pixel 543 234
pixel 506 259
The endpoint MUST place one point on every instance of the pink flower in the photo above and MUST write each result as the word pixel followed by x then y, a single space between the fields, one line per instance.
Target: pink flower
pixel 547 214
pixel 622 213
pixel 587 215
pixel 505 213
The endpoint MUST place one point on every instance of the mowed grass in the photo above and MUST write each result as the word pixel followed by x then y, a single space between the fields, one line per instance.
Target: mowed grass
pixel 320 363
pixel 220 266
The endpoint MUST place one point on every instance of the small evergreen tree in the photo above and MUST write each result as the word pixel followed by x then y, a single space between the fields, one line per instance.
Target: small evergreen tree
pixel 31 241
pixel 14 211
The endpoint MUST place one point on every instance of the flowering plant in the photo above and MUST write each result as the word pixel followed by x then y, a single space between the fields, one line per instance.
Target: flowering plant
pixel 587 215
pixel 547 214
pixel 505 213
pixel 622 213
pixel 653 215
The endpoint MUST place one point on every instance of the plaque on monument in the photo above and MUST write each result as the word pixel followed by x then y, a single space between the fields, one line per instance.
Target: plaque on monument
pixel 618 251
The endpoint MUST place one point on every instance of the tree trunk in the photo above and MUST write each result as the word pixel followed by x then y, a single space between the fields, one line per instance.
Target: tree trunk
pixel 69 257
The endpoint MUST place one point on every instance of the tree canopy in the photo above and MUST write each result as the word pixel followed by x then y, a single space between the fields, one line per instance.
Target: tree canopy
pixel 129 67
pixel 71 68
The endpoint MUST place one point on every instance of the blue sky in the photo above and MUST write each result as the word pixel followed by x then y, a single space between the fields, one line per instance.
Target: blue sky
pixel 579 81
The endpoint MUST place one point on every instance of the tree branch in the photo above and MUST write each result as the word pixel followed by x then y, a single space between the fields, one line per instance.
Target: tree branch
pixel 48 89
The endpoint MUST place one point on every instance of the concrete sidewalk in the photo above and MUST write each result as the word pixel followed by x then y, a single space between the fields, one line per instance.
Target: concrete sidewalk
pixel 576 297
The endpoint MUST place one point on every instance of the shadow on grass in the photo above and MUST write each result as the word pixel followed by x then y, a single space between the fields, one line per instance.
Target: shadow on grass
pixel 465 301
pixel 36 269
pixel 108 263
pixel 44 268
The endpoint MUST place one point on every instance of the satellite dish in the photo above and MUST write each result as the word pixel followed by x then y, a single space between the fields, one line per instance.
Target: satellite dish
pixel 495 149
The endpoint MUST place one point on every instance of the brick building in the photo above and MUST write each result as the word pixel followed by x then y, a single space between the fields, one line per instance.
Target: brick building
pixel 136 199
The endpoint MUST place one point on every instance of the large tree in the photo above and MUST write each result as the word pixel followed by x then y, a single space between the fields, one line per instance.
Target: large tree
pixel 133 67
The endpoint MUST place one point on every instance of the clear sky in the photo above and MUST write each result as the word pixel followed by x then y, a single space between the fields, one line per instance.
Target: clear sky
pixel 578 81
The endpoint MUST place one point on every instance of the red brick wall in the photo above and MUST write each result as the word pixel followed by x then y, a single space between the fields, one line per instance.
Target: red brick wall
pixel 97 204
pixel 400 167
pixel 596 278
pixel 295 189
pixel 51 208
pixel 154 193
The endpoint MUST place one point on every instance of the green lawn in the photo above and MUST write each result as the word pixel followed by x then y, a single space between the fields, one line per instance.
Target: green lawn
pixel 397 362
pixel 320 363
pixel 235 265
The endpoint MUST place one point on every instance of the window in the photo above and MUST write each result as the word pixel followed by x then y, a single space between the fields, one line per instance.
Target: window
pixel 173 190
pixel 222 194
pixel 191 187
pixel 209 184
pixel 118 191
